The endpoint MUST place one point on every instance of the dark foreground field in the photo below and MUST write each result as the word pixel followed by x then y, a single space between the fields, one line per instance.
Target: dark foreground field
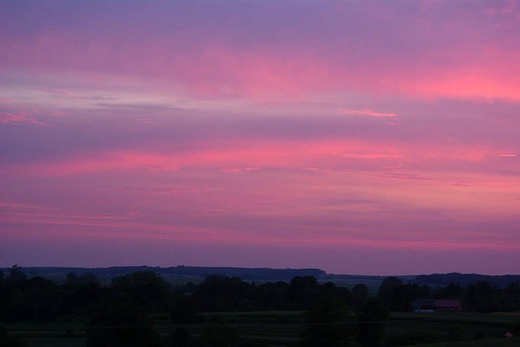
pixel 143 309
pixel 284 328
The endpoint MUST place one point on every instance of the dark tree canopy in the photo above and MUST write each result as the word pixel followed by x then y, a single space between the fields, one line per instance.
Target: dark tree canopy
pixel 119 312
pixel 219 334
pixel 374 310
pixel 302 291
pixel 146 288
pixel 121 325
pixel 9 340
pixel 372 316
pixel 388 285
pixel 359 294
pixel 87 278
pixel 16 274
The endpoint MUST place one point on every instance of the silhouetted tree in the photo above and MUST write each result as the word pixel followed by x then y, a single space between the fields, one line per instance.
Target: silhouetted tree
pixel 74 279
pixel 16 274
pixel 452 291
pixel 121 325
pixel 180 337
pixel 324 326
pixel 372 316
pixel 254 343
pixel 219 334
pixel 272 296
pixel 424 292
pixel 8 340
pixel 389 292
pixel 331 290
pixel 183 310
pixel 302 291
pixel 144 288
pixel 82 299
pixel 516 329
pixel 359 294
pixel 222 293
pixel 482 297
pixel 43 298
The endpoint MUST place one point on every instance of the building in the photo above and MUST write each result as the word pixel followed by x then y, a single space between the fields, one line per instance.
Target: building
pixel 431 305
pixel 448 306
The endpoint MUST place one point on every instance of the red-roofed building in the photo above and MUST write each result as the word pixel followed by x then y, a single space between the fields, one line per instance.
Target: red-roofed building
pixel 430 305
pixel 448 306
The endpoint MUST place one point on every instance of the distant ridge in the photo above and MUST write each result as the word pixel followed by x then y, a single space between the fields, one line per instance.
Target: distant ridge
pixel 464 280
pixel 264 274
pixel 198 273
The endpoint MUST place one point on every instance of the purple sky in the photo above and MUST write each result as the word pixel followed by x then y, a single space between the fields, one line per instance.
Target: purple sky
pixel 361 137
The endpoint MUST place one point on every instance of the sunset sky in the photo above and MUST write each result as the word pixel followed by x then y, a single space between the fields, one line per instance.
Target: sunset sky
pixel 359 137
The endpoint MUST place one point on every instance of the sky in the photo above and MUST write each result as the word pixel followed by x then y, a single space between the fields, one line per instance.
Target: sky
pixel 359 137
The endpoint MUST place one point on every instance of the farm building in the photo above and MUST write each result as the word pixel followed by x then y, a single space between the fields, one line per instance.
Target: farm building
pixel 431 305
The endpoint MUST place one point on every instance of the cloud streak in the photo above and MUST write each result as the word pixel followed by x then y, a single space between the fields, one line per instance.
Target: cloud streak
pixel 276 132
pixel 368 112
pixel 423 52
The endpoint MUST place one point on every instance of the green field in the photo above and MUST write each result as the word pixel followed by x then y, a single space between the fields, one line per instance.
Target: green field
pixel 282 328
pixel 467 317
pixel 494 342
pixel 49 334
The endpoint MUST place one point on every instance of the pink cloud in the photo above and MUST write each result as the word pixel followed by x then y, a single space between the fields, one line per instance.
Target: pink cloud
pixel 250 155
pixel 368 112
pixel 13 115
pixel 103 226
pixel 9 118
pixel 442 59
pixel 102 231
pixel 225 126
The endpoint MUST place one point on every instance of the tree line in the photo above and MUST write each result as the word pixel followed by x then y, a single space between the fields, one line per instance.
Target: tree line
pixel 120 312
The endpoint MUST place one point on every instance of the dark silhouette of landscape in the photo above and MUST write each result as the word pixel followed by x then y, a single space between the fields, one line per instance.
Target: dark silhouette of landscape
pixel 210 306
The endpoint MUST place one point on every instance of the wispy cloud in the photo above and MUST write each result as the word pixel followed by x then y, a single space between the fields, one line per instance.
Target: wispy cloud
pixel 368 112
pixel 12 115
pixel 428 58
pixel 168 126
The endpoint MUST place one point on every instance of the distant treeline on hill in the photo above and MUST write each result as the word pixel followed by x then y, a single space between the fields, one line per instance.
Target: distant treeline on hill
pixel 267 274
pixel 501 281
pixel 264 274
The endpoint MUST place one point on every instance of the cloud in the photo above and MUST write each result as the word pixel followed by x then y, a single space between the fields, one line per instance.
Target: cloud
pixel 245 155
pixel 13 115
pixel 10 118
pixel 368 112
pixel 231 124
pixel 412 51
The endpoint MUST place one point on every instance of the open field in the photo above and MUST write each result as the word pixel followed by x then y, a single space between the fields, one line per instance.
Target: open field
pixel 459 326
pixel 282 328
pixel 512 342
pixel 461 317
pixel 49 334
pixel 56 342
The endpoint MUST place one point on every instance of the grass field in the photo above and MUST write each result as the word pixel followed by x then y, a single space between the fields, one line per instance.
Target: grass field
pixel 494 342
pixel 281 328
pixel 467 317
pixel 49 334
pixel 56 342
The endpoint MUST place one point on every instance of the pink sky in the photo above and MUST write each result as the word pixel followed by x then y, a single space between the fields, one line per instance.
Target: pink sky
pixel 360 137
